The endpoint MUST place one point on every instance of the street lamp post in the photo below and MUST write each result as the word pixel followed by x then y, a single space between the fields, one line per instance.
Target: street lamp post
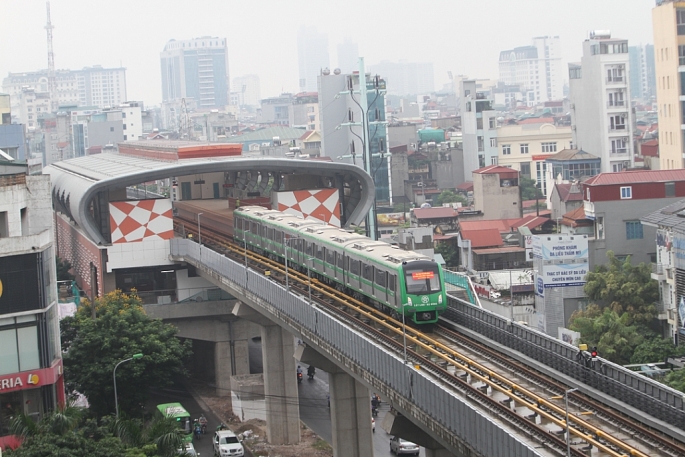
pixel 199 232
pixel 114 376
pixel 404 335
pixel 309 277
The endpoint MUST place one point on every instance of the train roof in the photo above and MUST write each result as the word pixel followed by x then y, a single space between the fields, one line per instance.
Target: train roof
pixel 378 251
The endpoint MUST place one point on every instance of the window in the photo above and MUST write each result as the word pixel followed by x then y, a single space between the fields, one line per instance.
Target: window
pixel 615 74
pixel 680 21
pixel 479 123
pixel 616 167
pixel 599 227
pixel 524 149
pixel 506 149
pixel 617 122
pixel 525 169
pixel 380 277
pixel 681 55
pixel 493 142
pixel 616 99
pixel 549 147
pixel 493 123
pixel 633 230
pixel 618 146
pixel 493 160
pixel 368 272
pixel 669 189
pixel 626 193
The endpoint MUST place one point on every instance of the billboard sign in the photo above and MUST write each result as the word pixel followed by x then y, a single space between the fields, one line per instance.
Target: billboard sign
pixel 678 248
pixel 569 336
pixel 564 259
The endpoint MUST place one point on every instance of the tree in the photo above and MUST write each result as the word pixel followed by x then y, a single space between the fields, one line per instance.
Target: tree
pixel 449 253
pixel 676 379
pixel 615 336
pixel 449 196
pixel 93 347
pixel 625 288
pixel 529 189
pixel 63 267
pixel 655 349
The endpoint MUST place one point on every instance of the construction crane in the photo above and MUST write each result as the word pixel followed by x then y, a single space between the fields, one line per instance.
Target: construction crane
pixel 52 87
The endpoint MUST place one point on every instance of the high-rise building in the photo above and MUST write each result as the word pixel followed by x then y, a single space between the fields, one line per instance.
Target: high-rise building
pixel 248 89
pixel 31 363
pixel 536 68
pixel 601 118
pixel 479 128
pixel 406 78
pixel 312 53
pixel 196 69
pixel 668 19
pixel 348 56
pixel 345 143
pixel 642 72
pixel 91 86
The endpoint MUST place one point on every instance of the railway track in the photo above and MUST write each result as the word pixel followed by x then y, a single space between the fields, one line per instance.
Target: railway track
pixel 522 397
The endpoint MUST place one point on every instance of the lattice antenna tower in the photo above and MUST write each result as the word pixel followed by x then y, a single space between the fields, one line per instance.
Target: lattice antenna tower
pixel 52 87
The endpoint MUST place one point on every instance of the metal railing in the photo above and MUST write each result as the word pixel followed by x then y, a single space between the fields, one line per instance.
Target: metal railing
pixel 184 295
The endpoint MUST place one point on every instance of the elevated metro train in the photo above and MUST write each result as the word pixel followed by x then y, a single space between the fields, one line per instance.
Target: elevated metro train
pixel 400 282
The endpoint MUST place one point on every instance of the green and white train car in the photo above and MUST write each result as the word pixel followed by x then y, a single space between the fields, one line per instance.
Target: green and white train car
pixel 400 282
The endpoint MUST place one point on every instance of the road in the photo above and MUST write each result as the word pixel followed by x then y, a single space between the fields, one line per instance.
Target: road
pixel 178 394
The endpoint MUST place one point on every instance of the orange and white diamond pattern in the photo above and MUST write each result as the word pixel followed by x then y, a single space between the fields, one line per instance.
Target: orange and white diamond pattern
pixel 321 204
pixel 141 220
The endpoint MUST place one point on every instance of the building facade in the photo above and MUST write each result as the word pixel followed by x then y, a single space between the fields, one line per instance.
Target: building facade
pixel 617 201
pixel 668 21
pixel 341 127
pixel 601 118
pixel 30 353
pixel 526 145
pixel 312 54
pixel 536 69
pixel 196 69
pixel 642 72
pixel 479 128
pixel 496 192
pixel 91 86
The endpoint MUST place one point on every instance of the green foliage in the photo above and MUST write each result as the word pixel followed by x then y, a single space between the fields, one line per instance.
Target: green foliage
pixel 528 189
pixel 63 267
pixel 93 347
pixel 676 379
pixel 615 336
pixel 448 196
pixel 449 253
pixel 655 349
pixel 625 288
pixel 69 433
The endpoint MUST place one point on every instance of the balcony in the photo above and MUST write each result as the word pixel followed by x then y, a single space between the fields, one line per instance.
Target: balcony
pixel 617 128
pixel 616 80
pixel 616 104
pixel 661 272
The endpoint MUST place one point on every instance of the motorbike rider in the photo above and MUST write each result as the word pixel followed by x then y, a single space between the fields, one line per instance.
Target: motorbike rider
pixel 299 370
pixel 374 405
pixel 310 371
pixel 203 423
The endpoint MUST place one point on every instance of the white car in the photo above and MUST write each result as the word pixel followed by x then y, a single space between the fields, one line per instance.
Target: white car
pixel 403 447
pixel 226 443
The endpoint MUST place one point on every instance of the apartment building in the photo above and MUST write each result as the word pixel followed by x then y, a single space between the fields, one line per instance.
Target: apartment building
pixel 601 118
pixel 668 20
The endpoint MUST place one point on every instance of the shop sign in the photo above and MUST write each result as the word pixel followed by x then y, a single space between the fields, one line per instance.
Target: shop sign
pixel 30 379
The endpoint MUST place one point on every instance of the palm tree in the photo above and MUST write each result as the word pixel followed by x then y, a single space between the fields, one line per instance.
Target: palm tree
pixel 162 432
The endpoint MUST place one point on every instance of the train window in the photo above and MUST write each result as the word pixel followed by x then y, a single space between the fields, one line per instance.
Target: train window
pixel 308 248
pixel 319 252
pixel 380 277
pixel 368 272
pixel 330 257
pixel 340 260
pixel 270 233
pixel 253 227
pixel 391 282
pixel 354 267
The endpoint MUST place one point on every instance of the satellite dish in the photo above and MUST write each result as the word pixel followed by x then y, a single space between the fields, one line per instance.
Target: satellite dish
pixel 326 71
pixel 425 205
pixel 336 71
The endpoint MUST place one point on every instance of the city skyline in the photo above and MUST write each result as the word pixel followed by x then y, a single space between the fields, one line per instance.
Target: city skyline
pixel 107 34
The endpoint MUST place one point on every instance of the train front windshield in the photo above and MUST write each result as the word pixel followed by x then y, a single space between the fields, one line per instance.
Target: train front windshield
pixel 422 279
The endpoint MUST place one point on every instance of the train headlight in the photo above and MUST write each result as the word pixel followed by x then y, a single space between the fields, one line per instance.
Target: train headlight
pixel 409 301
pixel 440 299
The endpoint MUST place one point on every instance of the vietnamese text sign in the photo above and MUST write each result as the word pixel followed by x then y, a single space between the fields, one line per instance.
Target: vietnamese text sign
pixel 564 259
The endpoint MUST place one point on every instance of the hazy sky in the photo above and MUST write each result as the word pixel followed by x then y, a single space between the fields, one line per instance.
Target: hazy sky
pixel 462 36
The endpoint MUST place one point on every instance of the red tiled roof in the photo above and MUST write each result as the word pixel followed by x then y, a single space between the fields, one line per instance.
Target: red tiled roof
pixel 575 217
pixel 492 169
pixel 435 213
pixel 502 225
pixel 531 222
pixel 482 238
pixel 565 194
pixel 636 176
pixel 468 185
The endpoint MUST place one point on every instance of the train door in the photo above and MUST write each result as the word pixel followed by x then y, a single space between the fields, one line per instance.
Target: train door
pixel 380 285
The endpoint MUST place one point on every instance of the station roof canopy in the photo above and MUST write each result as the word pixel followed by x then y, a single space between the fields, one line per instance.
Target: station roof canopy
pixel 77 182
